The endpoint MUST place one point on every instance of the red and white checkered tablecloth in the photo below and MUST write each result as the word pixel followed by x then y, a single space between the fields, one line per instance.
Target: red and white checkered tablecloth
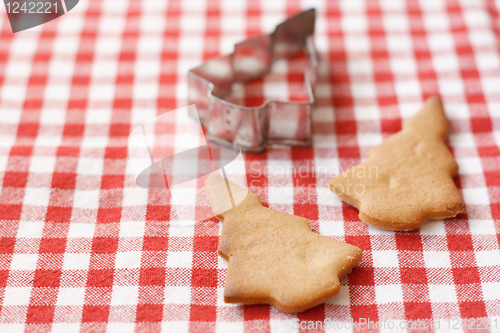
pixel 82 249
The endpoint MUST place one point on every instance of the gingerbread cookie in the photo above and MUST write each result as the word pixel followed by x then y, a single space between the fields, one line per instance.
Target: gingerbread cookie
pixel 408 178
pixel 274 257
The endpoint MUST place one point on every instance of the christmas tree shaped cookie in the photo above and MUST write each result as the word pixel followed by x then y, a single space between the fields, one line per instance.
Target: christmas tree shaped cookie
pixel 274 257
pixel 407 179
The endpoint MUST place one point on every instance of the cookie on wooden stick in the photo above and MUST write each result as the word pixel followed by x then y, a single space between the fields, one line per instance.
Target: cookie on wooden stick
pixel 274 257
pixel 408 178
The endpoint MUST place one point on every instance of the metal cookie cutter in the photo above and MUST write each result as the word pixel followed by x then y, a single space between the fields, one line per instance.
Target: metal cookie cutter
pixel 274 122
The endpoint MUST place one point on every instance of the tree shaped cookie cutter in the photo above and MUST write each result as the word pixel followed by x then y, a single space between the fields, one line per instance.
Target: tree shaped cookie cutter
pixel 273 123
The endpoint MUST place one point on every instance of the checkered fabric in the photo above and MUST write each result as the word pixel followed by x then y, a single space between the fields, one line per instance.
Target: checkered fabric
pixel 82 249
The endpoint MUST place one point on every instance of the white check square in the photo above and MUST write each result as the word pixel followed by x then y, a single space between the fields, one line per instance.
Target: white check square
pixel 25 44
pixel 238 326
pixel 395 22
pixel 487 61
pixel 482 227
pixel 104 69
pixel 488 258
pixel 469 165
pixel 445 63
pixel 397 43
pixel 147 67
pixel 145 91
pixel 357 66
pixel 107 45
pixel 135 196
pixel 475 18
pixel 90 166
pixel 150 45
pixel 342 298
pixel 322 90
pixel 433 227
pixel 325 198
pixel 403 65
pixel 451 87
pixel 192 23
pixel 124 295
pixel 47 140
pixel 37 196
pixel 437 259
pixel 391 5
pixel 97 116
pixel 175 326
pixel 407 88
pixel 42 164
pixel 191 44
pixel 281 194
pixel 180 259
pixel 65 328
pixel 73 23
pixel 357 43
pixel 76 261
pixel 354 23
pixel 10 116
pixel 366 112
pixel 113 24
pixel 465 140
pixel 65 45
pixel 71 296
pixel 128 259
pixel 4 161
pixel 440 41
pixel 101 92
pixel 386 258
pixel 57 92
pixel 457 111
pixel 476 196
pixel 86 199
pixel 409 109
pixel 491 291
pixel 181 228
pixel 153 22
pixel 369 139
pixel 177 295
pixel 332 228
pixel 440 293
pixel 30 229
pixel 53 117
pixel 81 230
pixel 482 38
pixel 122 327
pixel 436 21
pixel 323 114
pixel 132 228
pixel 183 196
pixel 24 261
pixel 363 90
pixel 389 294
pixel 491 85
pixel 13 92
pixel 17 296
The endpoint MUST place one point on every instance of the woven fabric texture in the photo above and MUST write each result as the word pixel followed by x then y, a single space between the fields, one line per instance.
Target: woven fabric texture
pixel 83 249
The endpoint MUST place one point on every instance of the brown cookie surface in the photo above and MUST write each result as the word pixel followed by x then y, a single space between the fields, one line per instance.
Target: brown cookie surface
pixel 408 178
pixel 274 257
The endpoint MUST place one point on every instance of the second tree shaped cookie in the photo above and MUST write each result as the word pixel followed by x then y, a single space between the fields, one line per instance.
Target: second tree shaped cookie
pixel 274 257
pixel 407 179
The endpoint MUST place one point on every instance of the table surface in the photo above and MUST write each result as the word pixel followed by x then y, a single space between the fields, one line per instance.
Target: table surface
pixel 84 249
